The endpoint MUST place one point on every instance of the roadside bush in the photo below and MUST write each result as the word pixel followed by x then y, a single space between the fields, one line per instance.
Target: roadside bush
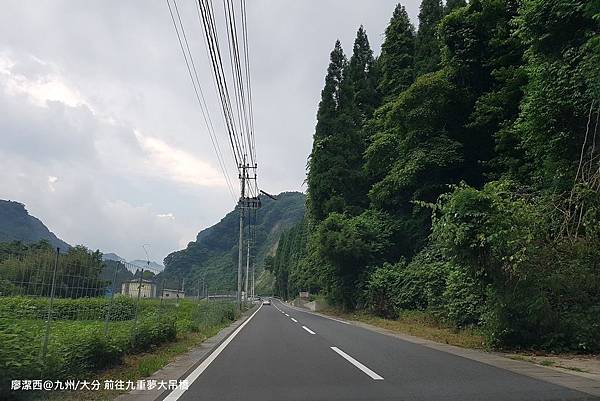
pixel 382 289
pixel 120 308
pixel 152 330
pixel 83 350
pixel 541 289
pixel 19 353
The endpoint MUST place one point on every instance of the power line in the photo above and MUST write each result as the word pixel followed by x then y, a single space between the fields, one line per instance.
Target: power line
pixel 199 94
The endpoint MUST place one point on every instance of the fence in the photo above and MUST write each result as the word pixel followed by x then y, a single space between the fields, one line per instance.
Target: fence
pixel 63 314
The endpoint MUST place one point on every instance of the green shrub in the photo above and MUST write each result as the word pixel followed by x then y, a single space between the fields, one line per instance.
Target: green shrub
pixel 541 289
pixel 382 289
pixel 119 308
pixel 152 330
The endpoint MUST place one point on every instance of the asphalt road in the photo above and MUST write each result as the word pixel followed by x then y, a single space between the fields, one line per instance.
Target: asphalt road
pixel 283 354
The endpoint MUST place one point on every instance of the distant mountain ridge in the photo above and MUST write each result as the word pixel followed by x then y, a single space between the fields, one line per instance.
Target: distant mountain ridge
pixel 214 254
pixel 156 267
pixel 16 224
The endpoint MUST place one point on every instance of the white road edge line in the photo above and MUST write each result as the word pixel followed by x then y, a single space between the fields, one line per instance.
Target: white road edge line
pixel 178 392
pixel 359 365
pixel 307 329
pixel 294 320
pixel 315 314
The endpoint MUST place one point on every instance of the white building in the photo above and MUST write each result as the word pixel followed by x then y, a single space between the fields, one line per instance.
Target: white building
pixel 131 288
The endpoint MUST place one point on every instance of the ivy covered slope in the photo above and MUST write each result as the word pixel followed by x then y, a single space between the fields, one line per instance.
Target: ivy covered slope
pixel 214 254
pixel 458 173
pixel 16 224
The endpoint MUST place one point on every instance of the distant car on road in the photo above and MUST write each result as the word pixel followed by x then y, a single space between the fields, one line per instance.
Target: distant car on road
pixel 267 302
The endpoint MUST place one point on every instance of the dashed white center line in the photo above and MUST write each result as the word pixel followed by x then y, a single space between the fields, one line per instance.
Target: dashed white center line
pixel 294 320
pixel 287 315
pixel 307 329
pixel 359 365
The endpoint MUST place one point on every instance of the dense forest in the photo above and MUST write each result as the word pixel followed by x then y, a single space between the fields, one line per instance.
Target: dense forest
pixel 458 173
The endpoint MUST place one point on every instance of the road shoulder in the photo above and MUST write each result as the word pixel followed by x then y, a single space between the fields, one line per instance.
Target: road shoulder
pixel 184 363
pixel 588 383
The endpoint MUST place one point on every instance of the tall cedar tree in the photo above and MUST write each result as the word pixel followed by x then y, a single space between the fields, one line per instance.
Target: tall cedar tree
pixel 396 63
pixel 330 176
pixel 427 47
pixel 363 76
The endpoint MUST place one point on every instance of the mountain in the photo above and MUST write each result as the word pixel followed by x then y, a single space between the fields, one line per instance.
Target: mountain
pixel 214 254
pixel 144 263
pixel 16 224
pixel 112 256
pixel 114 270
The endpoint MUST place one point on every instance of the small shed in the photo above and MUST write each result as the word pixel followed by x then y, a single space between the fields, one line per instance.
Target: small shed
pixel 146 289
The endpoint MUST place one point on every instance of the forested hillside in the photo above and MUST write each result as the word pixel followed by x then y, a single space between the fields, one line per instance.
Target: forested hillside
pixel 16 224
pixel 214 254
pixel 458 173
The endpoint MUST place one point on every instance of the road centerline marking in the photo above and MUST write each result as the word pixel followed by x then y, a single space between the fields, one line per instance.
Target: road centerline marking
pixel 294 320
pixel 307 329
pixel 287 315
pixel 359 365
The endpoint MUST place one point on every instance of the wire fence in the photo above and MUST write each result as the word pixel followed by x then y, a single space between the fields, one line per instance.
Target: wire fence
pixel 63 313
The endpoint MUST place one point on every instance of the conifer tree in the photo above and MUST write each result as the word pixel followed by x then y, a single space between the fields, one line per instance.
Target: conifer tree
pixel 362 76
pixel 332 165
pixel 427 50
pixel 396 63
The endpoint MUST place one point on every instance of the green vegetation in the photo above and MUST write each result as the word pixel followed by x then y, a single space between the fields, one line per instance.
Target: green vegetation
pixel 419 324
pixel 466 186
pixel 79 347
pixel 213 256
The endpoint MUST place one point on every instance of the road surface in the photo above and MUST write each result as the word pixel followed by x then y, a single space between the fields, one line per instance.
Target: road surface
pixel 283 354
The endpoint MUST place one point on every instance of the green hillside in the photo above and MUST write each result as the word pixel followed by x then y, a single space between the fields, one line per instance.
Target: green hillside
pixel 214 254
pixel 16 224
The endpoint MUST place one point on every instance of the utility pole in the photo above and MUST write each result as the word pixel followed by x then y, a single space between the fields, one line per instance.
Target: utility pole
pixel 241 242
pixel 247 268
pixel 253 293
pixel 246 202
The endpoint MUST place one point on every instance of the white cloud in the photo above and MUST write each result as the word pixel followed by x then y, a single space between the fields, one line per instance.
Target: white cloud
pixel 169 162
pixel 51 181
pixel 41 90
pixel 170 216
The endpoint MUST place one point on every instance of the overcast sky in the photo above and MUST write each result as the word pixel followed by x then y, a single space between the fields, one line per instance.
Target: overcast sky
pixel 101 137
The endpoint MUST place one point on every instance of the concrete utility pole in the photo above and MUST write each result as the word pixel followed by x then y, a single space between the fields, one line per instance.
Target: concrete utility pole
pixel 247 268
pixel 246 202
pixel 253 267
pixel 241 242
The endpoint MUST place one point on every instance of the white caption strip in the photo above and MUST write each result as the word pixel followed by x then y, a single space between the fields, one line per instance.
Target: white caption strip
pixel 359 365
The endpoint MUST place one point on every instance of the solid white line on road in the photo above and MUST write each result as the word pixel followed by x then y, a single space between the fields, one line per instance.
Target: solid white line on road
pixel 316 314
pixel 294 320
pixel 178 392
pixel 307 329
pixel 359 365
